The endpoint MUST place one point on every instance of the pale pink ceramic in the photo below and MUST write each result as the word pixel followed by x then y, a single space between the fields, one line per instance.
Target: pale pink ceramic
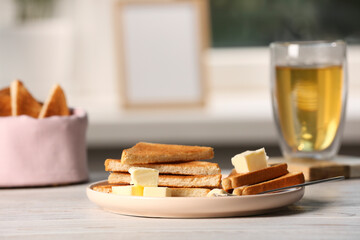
pixel 194 207
pixel 40 152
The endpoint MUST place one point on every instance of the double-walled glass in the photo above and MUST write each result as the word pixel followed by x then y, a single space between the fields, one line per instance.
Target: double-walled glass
pixel 309 88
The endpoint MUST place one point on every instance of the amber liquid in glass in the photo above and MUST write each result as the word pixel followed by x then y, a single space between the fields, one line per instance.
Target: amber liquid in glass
pixel 309 105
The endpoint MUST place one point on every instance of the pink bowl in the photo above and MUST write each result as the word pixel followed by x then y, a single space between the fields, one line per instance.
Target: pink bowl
pixel 40 152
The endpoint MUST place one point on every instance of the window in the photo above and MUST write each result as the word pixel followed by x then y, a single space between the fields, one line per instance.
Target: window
pixel 258 22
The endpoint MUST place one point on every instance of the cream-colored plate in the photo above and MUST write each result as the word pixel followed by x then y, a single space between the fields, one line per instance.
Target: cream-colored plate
pixel 194 207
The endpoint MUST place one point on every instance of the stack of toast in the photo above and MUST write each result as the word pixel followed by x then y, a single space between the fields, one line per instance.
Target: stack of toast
pixel 254 182
pixel 16 100
pixel 180 168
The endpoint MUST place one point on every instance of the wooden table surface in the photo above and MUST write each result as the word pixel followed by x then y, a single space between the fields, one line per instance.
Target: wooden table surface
pixel 327 211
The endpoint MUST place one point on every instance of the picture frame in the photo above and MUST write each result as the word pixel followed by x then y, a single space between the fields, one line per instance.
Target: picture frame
pixel 161 52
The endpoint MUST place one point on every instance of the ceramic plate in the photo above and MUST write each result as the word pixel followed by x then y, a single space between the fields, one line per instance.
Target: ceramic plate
pixel 194 207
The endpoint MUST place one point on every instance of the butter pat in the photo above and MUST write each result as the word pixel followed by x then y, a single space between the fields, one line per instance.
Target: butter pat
pixel 157 192
pixel 128 190
pixel 146 177
pixel 217 192
pixel 250 161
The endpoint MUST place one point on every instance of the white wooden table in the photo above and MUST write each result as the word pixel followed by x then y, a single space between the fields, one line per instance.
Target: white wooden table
pixel 327 211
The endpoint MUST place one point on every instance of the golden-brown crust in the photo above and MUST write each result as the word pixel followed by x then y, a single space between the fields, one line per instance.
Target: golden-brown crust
pixel 199 181
pixel 184 168
pixel 22 102
pixel 289 179
pixel 238 191
pixel 226 183
pixel 143 153
pixel 55 105
pixel 5 102
pixel 235 179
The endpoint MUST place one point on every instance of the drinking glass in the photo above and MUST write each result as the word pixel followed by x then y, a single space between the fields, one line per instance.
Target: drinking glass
pixel 309 89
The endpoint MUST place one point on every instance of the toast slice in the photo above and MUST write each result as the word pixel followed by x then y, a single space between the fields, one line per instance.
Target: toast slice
pixel 200 181
pixel 283 181
pixel 55 104
pixel 5 102
pixel 185 168
pixel 175 192
pixel 105 187
pixel 235 179
pixel 22 102
pixel 143 153
pixel 189 192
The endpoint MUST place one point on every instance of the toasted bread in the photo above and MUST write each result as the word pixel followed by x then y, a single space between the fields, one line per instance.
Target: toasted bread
pixel 235 179
pixel 189 192
pixel 55 104
pixel 5 102
pixel 200 181
pixel 175 192
pixel 143 153
pixel 283 181
pixel 105 187
pixel 185 168
pixel 22 102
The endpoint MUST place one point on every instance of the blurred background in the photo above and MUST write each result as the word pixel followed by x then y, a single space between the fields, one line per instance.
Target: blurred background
pixel 72 42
